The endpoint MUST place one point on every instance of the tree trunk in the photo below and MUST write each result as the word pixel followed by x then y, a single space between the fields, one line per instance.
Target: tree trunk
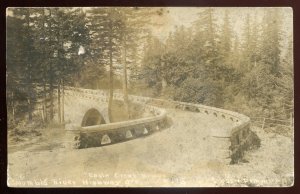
pixel 97 84
pixel 164 86
pixel 63 102
pixel 111 80
pixel 29 106
pixel 111 90
pixel 13 108
pixel 125 90
pixel 45 102
pixel 61 72
pixel 51 94
pixel 58 102
pixel 163 81
pixel 51 74
pixel 45 76
pixel 29 84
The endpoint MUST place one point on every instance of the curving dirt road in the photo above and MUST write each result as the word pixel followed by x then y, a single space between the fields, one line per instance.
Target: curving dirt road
pixel 186 154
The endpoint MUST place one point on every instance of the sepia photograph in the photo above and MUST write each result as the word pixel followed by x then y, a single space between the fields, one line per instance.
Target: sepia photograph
pixel 149 97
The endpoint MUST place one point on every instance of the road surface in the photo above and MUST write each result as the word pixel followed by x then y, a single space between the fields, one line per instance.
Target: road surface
pixel 186 154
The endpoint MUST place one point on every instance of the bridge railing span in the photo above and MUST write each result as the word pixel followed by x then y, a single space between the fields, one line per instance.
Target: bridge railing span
pixel 241 137
pixel 158 113
pixel 239 119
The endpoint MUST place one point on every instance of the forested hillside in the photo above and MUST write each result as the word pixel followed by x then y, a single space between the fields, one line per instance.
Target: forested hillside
pixel 208 62
pixel 212 64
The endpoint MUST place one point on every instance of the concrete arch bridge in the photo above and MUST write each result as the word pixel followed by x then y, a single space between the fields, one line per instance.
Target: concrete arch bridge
pixel 88 125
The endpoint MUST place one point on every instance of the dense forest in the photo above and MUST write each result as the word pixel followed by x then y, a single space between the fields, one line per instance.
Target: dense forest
pixel 209 63
pixel 116 48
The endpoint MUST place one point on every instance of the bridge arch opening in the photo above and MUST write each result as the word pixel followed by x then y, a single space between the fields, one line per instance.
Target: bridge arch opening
pixel 92 117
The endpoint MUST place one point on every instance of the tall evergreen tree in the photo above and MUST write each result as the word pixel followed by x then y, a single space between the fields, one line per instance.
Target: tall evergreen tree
pixel 42 54
pixel 15 46
pixel 28 55
pixel 104 29
pixel 226 39
pixel 270 43
pixel 133 27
